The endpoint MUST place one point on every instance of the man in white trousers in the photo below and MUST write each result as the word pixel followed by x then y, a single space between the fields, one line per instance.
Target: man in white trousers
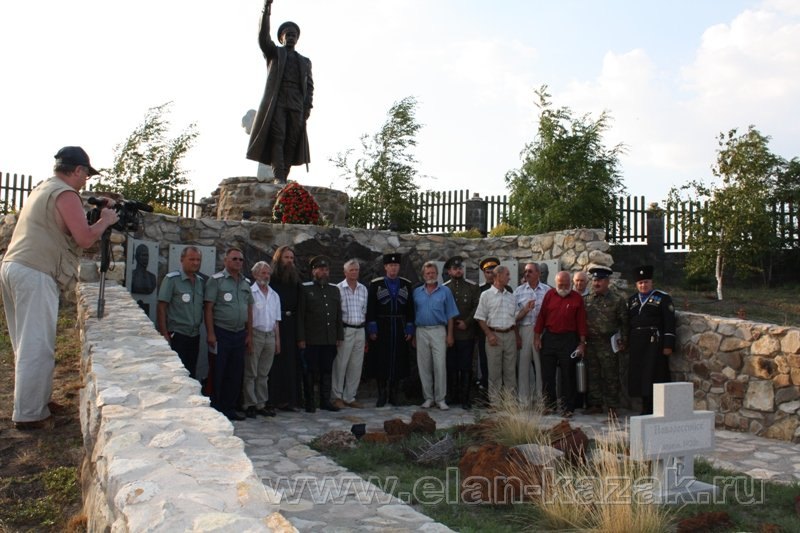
pixel 350 357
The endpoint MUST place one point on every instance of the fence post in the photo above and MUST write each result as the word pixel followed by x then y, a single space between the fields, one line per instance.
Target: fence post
pixel 655 236
pixel 477 214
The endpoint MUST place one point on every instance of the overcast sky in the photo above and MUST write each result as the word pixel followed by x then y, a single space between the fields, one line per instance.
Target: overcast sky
pixel 673 75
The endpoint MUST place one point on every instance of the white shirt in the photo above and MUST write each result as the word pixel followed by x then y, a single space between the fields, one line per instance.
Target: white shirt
pixel 266 310
pixel 524 293
pixel 354 303
pixel 497 308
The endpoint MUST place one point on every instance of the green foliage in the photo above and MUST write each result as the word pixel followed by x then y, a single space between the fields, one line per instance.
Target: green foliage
pixel 382 177
pixel 148 163
pixel 503 229
pixel 568 177
pixel 471 233
pixel 733 230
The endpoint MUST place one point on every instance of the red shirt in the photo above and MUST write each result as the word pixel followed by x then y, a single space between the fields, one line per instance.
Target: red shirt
pixel 562 314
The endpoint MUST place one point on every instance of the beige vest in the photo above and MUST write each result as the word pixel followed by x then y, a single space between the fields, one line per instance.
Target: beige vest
pixel 38 242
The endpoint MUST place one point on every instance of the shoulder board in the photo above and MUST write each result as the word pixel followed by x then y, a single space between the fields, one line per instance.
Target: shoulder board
pixel 218 275
pixel 404 279
pixel 201 276
pixel 173 274
pixel 376 280
pixel 469 282
pixel 248 281
pixel 335 286
pixel 446 283
pixel 308 284
pixel 660 292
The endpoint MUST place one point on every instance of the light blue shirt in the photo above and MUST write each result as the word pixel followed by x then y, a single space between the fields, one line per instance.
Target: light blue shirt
pixel 435 308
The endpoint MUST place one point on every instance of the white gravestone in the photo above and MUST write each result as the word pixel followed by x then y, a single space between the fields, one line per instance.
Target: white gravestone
pixel 671 437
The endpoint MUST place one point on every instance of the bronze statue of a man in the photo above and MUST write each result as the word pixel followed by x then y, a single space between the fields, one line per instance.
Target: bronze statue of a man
pixel 278 137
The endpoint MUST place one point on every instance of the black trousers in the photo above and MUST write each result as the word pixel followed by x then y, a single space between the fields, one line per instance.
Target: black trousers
pixel 187 349
pixel 555 354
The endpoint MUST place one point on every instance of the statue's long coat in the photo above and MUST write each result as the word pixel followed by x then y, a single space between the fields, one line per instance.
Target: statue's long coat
pixel 259 148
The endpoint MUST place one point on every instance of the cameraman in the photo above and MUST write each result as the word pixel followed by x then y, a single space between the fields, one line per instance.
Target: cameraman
pixel 42 258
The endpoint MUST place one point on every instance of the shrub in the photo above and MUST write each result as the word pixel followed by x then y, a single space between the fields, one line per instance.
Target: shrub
pixel 503 229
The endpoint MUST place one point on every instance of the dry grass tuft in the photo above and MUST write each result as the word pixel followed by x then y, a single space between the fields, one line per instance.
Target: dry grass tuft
pixel 514 423
pixel 607 492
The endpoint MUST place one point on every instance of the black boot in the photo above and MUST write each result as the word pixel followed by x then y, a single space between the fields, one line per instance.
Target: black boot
pixel 393 386
pixel 466 383
pixel 325 394
pixel 308 390
pixel 381 393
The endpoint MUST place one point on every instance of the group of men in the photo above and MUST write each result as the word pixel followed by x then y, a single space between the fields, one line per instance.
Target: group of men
pixel 272 341
pixel 530 339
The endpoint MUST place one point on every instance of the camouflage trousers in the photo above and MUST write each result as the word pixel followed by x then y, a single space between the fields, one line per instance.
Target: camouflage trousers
pixel 602 368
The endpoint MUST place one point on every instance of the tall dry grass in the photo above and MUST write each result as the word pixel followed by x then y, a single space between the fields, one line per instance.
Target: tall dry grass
pixel 514 423
pixel 607 492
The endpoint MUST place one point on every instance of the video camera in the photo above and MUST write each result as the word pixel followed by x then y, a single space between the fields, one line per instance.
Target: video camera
pixel 128 211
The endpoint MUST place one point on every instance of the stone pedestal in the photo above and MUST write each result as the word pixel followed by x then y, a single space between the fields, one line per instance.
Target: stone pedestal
pixel 248 198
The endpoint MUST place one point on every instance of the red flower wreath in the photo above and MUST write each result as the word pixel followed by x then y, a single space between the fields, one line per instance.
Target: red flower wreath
pixel 295 205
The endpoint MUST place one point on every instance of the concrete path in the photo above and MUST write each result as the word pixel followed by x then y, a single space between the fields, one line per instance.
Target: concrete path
pixel 320 495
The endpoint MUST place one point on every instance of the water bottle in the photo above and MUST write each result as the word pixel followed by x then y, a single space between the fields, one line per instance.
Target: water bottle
pixel 580 375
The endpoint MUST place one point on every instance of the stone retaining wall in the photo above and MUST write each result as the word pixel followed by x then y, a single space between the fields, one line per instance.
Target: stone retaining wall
pixel 157 457
pixel 574 248
pixel 747 373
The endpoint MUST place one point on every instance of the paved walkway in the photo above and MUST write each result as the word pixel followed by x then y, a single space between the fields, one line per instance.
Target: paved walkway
pixel 321 495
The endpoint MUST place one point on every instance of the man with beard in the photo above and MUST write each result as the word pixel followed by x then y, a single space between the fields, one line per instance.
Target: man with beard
pixel 390 325
pixel 459 357
pixel 266 344
pixel 229 323
pixel 434 310
pixel 180 308
pixel 652 337
pixel 319 332
pixel 284 386
pixel 560 332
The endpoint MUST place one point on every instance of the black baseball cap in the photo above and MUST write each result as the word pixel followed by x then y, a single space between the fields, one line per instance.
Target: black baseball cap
pixel 75 155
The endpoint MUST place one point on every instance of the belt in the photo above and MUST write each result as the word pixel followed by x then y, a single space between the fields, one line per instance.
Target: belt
pixel 267 333
pixel 354 326
pixel 434 326
pixel 501 330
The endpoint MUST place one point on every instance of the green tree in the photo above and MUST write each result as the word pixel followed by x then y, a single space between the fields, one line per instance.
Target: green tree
pixel 733 230
pixel 568 178
pixel 147 165
pixel 382 174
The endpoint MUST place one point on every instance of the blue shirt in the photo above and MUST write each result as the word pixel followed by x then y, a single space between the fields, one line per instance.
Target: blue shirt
pixel 436 308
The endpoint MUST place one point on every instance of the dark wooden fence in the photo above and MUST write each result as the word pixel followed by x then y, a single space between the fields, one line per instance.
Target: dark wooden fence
pixel 447 211
pixel 14 190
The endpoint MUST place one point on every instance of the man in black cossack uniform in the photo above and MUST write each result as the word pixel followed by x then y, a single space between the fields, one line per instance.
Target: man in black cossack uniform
pixel 390 326
pixel 651 338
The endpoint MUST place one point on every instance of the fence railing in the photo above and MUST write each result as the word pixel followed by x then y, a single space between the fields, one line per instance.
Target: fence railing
pixel 447 211
pixel 14 190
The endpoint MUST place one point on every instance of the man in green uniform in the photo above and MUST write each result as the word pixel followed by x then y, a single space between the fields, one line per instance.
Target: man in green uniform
pixel 229 324
pixel 319 332
pixel 180 308
pixel 459 356
pixel 606 315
